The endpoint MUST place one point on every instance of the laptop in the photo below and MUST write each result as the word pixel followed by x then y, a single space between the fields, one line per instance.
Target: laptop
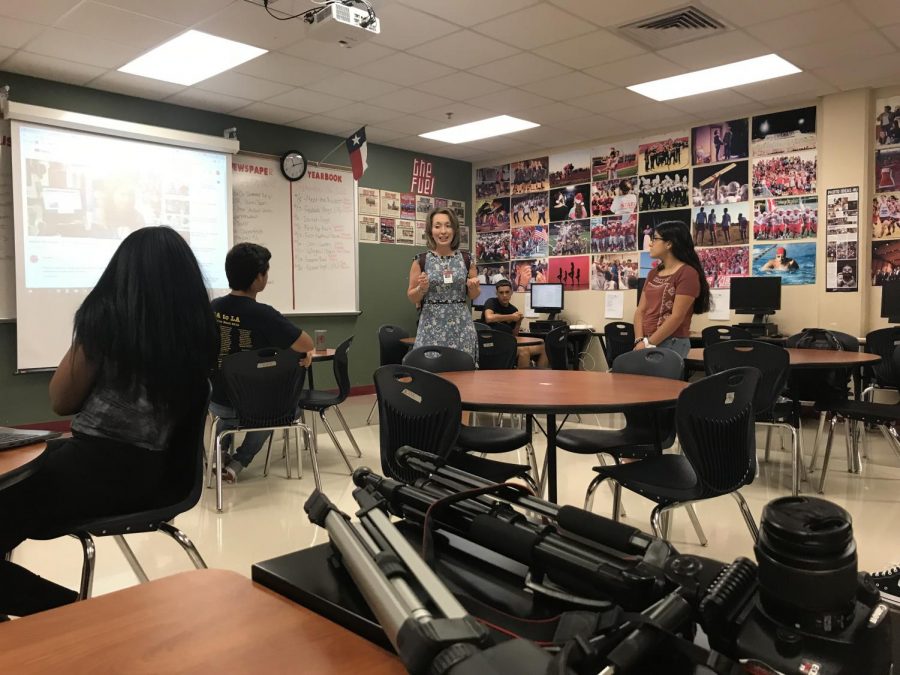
pixel 16 438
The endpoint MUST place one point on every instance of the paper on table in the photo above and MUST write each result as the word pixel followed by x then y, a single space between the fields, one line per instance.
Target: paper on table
pixel 718 304
pixel 615 305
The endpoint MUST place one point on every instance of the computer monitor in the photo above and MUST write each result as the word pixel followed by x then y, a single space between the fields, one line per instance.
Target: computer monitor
pixel 488 291
pixel 758 296
pixel 890 301
pixel 547 298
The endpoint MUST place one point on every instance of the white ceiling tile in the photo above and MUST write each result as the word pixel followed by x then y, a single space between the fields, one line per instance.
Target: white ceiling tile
pixel 49 68
pixel 867 44
pixel 462 113
pixel 614 99
pixel 411 124
pixel 404 27
pixel 280 67
pixel 509 143
pixel 15 33
pixel 353 86
pixel 462 152
pixel 379 135
pixel 510 101
pixel 702 103
pixel 520 69
pixel 4 53
pixel 864 73
pixel 584 51
pixel 409 100
pixel 616 13
pixel 463 50
pixel 208 100
pixel 468 12
pixel 404 69
pixel 567 86
pixel 636 69
pixel 335 56
pixel 243 86
pixel 554 113
pixel 363 113
pixel 647 113
pixel 799 84
pixel 92 50
pixel 460 86
pixel 715 50
pixel 135 85
pixel 177 11
pixel 101 21
pixel 743 13
pixel 265 112
pixel 879 12
pixel 309 101
pixel 893 34
pixel 45 12
pixel 249 23
pixel 326 125
pixel 535 26
pixel 550 137
pixel 598 126
pixel 820 24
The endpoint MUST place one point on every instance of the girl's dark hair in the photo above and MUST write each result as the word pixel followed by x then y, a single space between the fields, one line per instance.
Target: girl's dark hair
pixel 677 233
pixel 148 320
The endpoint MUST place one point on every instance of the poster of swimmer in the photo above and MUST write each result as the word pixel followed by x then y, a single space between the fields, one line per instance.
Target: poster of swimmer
pixel 794 263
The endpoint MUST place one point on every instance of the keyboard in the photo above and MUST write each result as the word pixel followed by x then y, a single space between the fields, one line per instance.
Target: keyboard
pixel 16 438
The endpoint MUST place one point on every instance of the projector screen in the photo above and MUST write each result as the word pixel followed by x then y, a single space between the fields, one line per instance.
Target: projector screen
pixel 77 195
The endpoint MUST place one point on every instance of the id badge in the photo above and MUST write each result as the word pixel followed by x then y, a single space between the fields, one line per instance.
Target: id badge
pixel 448 277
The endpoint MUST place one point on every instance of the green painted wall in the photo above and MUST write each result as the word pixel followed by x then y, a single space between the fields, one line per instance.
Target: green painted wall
pixel 383 269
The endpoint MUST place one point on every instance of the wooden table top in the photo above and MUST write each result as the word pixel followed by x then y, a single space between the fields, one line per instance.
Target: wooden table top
pixel 203 621
pixel 536 390
pixel 326 355
pixel 808 358
pixel 17 462
pixel 522 340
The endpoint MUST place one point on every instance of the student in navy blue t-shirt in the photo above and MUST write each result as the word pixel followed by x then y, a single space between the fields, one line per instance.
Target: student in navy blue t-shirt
pixel 246 325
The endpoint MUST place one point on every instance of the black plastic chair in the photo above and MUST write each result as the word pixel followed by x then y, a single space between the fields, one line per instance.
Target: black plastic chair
pixel 421 409
pixel 884 374
pixel 480 325
pixel 437 359
pixel 180 493
pixel 618 339
pixel 715 334
pixel 770 407
pixel 715 423
pixel 556 346
pixel 264 387
pixel 320 402
pixel 390 350
pixel 497 349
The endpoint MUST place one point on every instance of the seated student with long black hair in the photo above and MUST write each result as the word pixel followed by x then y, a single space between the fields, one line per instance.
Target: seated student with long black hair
pixel 143 347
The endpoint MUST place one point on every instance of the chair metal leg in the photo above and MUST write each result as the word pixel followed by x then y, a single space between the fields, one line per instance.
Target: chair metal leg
pixel 268 457
pixel 340 416
pixel 532 462
pixel 848 444
pixel 286 445
pixel 832 422
pixel 660 521
pixel 795 461
pixel 617 501
pixel 131 558
pixel 335 441
pixel 819 431
pixel 695 521
pixel 310 448
pixel 768 442
pixel 372 412
pixel 589 494
pixel 602 459
pixel 297 453
pixel 87 566
pixel 747 514
pixel 185 543
pixel 210 456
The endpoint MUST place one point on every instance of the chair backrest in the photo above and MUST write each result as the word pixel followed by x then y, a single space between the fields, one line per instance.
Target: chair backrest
pixel 819 385
pixel 655 363
pixel 772 362
pixel 713 334
pixel 555 344
pixel 619 339
pixel 437 359
pixel 415 408
pixel 884 342
pixel 820 338
pixel 496 350
pixel 390 349
pixel 264 385
pixel 716 429
pixel 481 326
pixel 341 367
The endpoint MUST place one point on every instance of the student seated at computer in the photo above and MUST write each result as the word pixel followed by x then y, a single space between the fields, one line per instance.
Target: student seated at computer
pixel 500 314
pixel 143 347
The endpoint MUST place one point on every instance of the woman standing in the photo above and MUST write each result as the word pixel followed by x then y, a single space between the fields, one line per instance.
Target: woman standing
pixel 442 287
pixel 675 290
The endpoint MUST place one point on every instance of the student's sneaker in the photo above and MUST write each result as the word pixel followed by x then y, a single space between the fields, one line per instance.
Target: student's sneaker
pixel 231 471
pixel 888 583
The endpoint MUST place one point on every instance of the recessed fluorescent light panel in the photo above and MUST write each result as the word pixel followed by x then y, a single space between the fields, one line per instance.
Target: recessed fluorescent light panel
pixel 712 79
pixel 191 57
pixel 473 131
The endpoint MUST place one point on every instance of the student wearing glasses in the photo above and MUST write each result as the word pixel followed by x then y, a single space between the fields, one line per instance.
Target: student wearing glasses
pixel 675 290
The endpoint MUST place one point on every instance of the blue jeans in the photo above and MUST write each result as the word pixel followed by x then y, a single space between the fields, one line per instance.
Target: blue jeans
pixel 679 345
pixel 253 441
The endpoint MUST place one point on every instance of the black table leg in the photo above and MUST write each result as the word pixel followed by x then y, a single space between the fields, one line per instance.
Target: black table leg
pixel 551 457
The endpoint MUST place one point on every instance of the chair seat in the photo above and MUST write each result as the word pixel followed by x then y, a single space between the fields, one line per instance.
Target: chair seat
pixel 665 479
pixel 874 413
pixel 491 439
pixel 627 442
pixel 489 469
pixel 317 399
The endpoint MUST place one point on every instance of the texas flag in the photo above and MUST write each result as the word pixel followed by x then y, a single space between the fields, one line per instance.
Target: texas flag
pixel 356 146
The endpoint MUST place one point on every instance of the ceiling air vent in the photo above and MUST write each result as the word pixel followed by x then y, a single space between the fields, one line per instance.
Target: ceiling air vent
pixel 673 28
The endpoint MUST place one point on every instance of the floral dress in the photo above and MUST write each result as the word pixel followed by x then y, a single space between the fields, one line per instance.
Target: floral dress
pixel 446 319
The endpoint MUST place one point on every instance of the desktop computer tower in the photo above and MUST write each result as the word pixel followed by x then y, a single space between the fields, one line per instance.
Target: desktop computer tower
pixel 760 329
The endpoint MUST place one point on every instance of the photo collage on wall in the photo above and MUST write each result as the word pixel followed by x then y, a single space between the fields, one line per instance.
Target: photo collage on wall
pixel 388 217
pixel 842 240
pixel 585 218
pixel 886 200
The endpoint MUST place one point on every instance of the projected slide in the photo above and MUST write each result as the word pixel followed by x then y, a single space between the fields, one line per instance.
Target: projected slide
pixel 83 193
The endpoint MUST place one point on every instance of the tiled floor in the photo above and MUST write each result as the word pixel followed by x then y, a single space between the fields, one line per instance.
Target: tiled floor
pixel 264 517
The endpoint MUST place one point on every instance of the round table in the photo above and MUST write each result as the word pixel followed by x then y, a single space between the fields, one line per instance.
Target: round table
pixel 807 358
pixel 521 340
pixel 19 463
pixel 552 392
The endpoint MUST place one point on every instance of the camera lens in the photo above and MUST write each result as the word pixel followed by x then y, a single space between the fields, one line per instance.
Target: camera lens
pixel 807 564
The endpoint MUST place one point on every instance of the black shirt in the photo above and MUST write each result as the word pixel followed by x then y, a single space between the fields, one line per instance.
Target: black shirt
pixel 497 307
pixel 245 325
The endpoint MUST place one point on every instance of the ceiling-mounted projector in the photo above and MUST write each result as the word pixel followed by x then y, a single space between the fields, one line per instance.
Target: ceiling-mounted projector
pixel 343 24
